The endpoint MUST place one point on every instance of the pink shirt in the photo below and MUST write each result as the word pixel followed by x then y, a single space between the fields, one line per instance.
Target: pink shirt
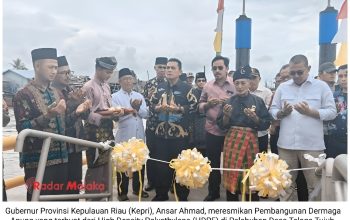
pixel 213 91
pixel 100 95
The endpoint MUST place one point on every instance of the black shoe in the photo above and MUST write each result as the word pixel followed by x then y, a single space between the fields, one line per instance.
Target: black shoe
pixel 143 194
pixel 123 198
pixel 210 197
pixel 231 196
pixel 149 187
pixel 160 198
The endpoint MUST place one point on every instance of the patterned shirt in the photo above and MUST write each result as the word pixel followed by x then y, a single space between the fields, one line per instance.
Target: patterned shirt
pixel 210 91
pixel 100 95
pixel 174 125
pixel 74 124
pixel 338 126
pixel 98 129
pixel 30 107
pixel 149 90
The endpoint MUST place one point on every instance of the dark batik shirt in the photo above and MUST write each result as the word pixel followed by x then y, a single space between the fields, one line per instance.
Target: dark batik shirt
pixel 150 86
pixel 30 105
pixel 338 126
pixel 240 119
pixel 74 123
pixel 174 125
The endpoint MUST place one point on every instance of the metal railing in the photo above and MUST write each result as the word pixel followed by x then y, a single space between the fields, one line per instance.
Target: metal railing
pixel 334 179
pixel 43 159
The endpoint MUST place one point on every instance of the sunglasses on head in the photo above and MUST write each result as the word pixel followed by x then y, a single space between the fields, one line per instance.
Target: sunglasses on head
pixel 217 68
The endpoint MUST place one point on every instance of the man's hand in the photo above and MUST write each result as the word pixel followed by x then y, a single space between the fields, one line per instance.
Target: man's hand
pixel 161 108
pixel 303 108
pixel 136 104
pixel 286 110
pixel 251 114
pixel 213 102
pixel 83 107
pixel 60 108
pixel 117 113
pixel 77 95
pixel 175 108
pixel 227 110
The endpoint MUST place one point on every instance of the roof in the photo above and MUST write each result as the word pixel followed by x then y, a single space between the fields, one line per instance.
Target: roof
pixel 28 74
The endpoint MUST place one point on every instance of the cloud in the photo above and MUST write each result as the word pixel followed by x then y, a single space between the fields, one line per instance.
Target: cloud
pixel 136 32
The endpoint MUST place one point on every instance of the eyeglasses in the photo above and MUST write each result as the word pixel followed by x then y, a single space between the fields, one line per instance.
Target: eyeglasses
pixel 342 76
pixel 201 80
pixel 161 67
pixel 299 72
pixel 214 68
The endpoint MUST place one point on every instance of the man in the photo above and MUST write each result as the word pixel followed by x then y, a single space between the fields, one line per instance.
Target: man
pixel 343 69
pixel 149 90
pixel 338 132
pixel 214 94
pixel 175 103
pixel 301 104
pixel 197 136
pixel 190 79
pixel 77 110
pixel 129 126
pixel 39 106
pixel 282 76
pixel 99 126
pixel 327 72
pixel 265 94
pixel 243 114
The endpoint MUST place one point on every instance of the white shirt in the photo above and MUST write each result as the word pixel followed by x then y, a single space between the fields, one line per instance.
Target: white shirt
pixel 129 126
pixel 297 131
pixel 266 95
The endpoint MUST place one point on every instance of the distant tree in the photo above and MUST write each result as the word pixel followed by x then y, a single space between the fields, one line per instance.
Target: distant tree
pixel 18 65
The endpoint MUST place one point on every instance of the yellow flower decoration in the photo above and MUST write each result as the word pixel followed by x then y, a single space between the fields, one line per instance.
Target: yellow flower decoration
pixel 130 156
pixel 191 168
pixel 269 175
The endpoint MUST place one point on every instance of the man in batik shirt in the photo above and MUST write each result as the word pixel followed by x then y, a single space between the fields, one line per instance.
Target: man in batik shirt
pixel 41 107
pixel 150 88
pixel 175 103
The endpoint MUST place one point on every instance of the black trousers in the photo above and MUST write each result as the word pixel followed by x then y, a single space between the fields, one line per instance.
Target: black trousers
pixel 335 145
pixel 74 171
pixel 124 179
pixel 168 149
pixel 150 142
pixel 214 148
pixel 55 174
pixel 263 143
pixel 273 141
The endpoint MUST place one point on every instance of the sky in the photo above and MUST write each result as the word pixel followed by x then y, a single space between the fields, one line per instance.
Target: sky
pixel 136 32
